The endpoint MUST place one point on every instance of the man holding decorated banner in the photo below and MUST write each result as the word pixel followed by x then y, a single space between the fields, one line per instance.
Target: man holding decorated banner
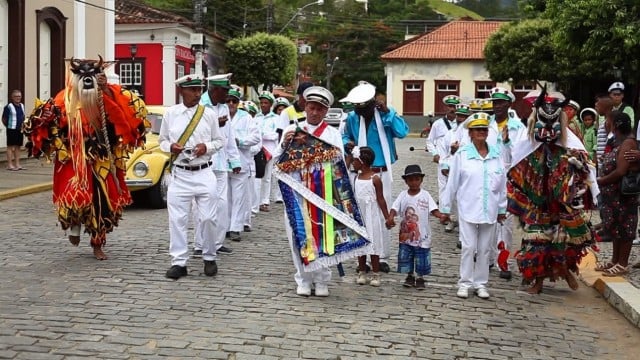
pixel 323 223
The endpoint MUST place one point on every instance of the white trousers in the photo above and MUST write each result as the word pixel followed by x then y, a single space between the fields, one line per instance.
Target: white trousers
pixel 265 183
pixel 185 187
pixel 239 200
pixel 442 183
pixel 222 223
pixel 477 240
pixel 255 186
pixel 303 278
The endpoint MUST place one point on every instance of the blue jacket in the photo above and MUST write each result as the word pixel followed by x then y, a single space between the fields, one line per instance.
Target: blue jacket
pixel 394 127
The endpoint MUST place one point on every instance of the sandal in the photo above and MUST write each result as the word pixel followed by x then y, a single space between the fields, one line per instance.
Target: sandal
pixel 616 270
pixel 603 266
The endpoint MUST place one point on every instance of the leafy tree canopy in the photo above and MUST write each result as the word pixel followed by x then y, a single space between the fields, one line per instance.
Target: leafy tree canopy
pixel 521 51
pixel 262 59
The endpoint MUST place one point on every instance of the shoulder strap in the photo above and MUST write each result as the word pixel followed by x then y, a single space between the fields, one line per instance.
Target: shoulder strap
pixel 446 122
pixel 189 129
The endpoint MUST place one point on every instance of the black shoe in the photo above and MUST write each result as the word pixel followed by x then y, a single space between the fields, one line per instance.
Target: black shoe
pixel 210 267
pixel 278 201
pixel 197 253
pixel 410 281
pixel 224 249
pixel 227 235
pixel 247 228
pixel 505 275
pixel 234 236
pixel 459 245
pixel 420 284
pixel 176 272
pixel 384 267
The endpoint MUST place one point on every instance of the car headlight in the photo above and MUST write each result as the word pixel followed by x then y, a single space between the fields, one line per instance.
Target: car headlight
pixel 140 169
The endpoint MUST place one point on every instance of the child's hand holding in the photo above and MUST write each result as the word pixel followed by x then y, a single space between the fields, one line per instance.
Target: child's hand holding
pixel 444 218
pixel 390 222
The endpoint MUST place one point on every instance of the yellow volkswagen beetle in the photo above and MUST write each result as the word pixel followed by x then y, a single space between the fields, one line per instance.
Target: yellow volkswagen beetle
pixel 147 168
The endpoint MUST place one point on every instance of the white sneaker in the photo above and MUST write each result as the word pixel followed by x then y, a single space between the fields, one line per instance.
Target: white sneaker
pixel 375 280
pixel 322 290
pixel 636 241
pixel 463 292
pixel 362 278
pixel 303 290
pixel 482 293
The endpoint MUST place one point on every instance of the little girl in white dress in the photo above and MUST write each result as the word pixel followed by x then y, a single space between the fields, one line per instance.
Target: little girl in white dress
pixel 373 207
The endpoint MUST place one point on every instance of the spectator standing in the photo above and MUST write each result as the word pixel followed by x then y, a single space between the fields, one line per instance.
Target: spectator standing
pixel 12 118
pixel 376 125
pixel 414 206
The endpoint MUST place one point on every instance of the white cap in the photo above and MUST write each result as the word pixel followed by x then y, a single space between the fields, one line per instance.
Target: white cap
pixel 616 86
pixel 319 95
pixel 360 94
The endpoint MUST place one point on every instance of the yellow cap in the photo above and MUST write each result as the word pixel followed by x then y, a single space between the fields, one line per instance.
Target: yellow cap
pixel 477 121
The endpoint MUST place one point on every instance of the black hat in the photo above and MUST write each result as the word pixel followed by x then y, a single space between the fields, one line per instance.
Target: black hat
pixel 303 86
pixel 412 170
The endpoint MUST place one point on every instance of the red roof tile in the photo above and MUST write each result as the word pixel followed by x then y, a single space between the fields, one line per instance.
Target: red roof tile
pixel 137 12
pixel 453 41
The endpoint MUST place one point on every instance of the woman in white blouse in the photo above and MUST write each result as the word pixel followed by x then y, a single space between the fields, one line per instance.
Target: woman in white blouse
pixel 477 181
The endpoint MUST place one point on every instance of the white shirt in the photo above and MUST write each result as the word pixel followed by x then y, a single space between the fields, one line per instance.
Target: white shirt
pixel 247 135
pixel 174 122
pixel 228 157
pixel 415 211
pixel 438 130
pixel 269 124
pixel 478 184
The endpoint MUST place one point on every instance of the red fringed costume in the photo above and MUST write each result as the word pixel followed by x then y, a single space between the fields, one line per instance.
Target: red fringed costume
pixel 89 133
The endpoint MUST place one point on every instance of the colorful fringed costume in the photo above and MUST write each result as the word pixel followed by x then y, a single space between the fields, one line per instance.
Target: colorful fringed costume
pixel 547 190
pixel 321 209
pixel 89 133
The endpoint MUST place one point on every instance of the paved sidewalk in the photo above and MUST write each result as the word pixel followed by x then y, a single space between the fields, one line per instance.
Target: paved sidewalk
pixel 623 293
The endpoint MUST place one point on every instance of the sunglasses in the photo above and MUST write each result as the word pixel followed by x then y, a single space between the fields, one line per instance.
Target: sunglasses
pixel 233 101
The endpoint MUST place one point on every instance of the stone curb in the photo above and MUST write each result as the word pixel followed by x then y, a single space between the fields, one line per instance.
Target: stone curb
pixel 31 189
pixel 618 292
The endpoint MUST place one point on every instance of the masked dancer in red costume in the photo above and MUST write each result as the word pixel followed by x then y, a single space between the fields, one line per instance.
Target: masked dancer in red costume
pixel 89 129
pixel 548 189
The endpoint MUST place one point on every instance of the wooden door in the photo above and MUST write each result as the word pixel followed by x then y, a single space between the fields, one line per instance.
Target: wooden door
pixel 413 97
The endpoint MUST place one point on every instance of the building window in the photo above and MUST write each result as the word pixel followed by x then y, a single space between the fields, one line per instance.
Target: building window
pixel 524 86
pixel 131 74
pixel 448 87
pixel 483 88
pixel 412 87
pixel 180 71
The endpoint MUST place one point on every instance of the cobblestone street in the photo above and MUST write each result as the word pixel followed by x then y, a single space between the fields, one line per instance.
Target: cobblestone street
pixel 58 302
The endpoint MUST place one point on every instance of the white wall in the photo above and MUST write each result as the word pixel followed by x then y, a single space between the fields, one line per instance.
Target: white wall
pixel 467 72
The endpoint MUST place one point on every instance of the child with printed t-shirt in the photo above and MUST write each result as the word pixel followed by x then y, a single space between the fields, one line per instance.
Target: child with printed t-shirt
pixel 414 206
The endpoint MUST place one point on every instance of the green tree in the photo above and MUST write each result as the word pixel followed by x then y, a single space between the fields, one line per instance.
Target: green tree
pixel 522 51
pixel 262 59
pixel 593 36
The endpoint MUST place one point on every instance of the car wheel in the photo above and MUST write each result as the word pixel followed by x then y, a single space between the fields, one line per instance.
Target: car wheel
pixel 157 194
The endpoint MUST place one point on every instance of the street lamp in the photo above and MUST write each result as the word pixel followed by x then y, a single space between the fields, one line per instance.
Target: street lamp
pixel 299 12
pixel 330 66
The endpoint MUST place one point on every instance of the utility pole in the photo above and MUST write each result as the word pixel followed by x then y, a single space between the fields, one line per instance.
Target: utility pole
pixel 270 17
pixel 197 39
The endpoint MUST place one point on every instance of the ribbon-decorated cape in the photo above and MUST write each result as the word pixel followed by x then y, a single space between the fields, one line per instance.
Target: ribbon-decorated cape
pixel 321 208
